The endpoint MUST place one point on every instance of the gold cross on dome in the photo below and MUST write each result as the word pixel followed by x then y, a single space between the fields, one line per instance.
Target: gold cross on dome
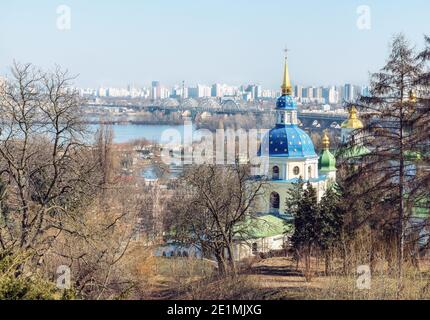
pixel 286 50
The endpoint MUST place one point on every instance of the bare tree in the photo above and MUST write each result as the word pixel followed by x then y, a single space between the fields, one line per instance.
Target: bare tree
pixel 210 205
pixel 59 201
pixel 45 166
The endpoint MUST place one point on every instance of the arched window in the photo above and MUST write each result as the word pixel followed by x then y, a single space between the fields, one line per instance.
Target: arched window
pixel 310 172
pixel 274 202
pixel 275 173
pixel 296 171
pixel 255 248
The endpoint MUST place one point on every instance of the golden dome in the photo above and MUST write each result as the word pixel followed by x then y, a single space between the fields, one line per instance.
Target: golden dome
pixel 326 141
pixel 353 121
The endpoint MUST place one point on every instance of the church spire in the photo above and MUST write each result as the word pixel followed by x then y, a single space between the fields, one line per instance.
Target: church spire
pixel 326 141
pixel 327 161
pixel 353 121
pixel 286 84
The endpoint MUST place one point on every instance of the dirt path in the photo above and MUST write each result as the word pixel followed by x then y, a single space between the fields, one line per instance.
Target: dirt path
pixel 278 278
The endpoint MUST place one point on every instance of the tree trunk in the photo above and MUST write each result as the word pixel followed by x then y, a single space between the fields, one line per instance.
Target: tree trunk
pixel 400 231
pixel 222 267
pixel 345 258
pixel 308 254
pixel 231 261
pixel 372 253
pixel 297 258
pixel 327 262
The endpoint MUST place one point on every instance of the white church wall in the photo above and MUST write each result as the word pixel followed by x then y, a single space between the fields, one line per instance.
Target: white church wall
pixel 287 168
pixel 245 249
pixel 241 249
pixel 175 250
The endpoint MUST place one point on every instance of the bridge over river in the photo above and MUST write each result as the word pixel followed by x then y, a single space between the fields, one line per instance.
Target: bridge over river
pixel 307 119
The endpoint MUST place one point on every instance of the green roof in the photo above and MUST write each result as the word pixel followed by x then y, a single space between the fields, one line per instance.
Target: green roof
pixel 263 227
pixel 327 161
pixel 353 152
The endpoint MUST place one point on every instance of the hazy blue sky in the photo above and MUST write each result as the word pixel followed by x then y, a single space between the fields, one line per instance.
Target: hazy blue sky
pixel 230 41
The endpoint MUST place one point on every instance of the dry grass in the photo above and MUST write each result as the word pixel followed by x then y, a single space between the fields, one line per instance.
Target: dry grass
pixel 279 279
pixel 174 276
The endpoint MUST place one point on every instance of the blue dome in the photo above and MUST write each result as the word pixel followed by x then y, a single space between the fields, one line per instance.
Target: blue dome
pixel 286 102
pixel 288 141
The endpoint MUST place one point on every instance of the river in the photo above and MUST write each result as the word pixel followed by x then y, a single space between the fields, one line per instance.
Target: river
pixel 128 132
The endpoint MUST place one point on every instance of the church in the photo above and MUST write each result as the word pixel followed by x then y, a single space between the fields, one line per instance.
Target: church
pixel 289 155
pixel 292 156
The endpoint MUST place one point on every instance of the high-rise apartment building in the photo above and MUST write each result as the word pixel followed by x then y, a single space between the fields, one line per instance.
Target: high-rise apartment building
pixel 155 90
pixel 217 90
pixel 298 92
pixel 200 91
pixel 349 93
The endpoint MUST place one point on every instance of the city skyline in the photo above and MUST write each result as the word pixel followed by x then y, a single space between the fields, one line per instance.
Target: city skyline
pixel 333 94
pixel 109 44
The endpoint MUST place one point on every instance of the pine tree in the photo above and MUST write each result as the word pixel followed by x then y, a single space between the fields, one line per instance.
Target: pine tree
pixel 295 194
pixel 330 223
pixel 305 236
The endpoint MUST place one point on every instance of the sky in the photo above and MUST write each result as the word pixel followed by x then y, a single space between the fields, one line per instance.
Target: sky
pixel 116 43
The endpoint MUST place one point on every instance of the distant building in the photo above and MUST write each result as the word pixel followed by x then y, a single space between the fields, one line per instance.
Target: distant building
pixel 365 91
pixel 164 93
pixel 330 95
pixel 255 91
pixel 264 234
pixel 310 93
pixel 267 93
pixel 305 93
pixel 349 93
pixel 200 91
pixel 247 96
pixel 155 90
pixel 217 90
pixel 258 92
pixel 118 93
pixel 177 93
pixel 102 92
pixel 318 98
pixel 298 92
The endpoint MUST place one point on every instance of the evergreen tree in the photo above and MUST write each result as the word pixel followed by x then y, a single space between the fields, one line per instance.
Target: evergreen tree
pixel 295 194
pixel 305 236
pixel 330 223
